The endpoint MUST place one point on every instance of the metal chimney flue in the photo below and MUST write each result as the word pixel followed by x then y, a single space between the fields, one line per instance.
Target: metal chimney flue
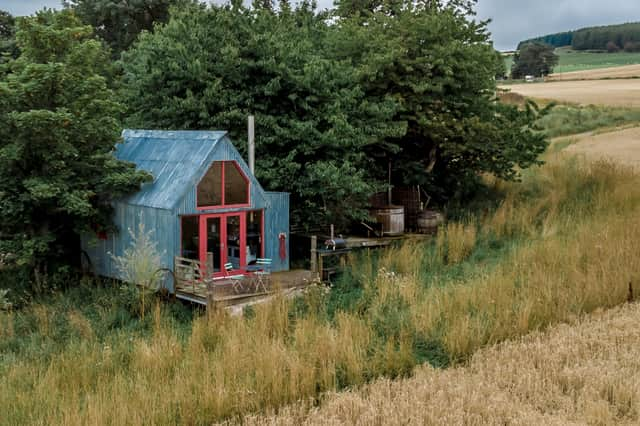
pixel 252 143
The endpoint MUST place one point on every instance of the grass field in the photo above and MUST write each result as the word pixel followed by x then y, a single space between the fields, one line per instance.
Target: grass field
pixel 571 60
pixel 562 243
pixel 568 119
pixel 559 244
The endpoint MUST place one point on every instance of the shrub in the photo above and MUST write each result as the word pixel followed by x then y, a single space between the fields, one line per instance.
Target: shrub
pixel 139 266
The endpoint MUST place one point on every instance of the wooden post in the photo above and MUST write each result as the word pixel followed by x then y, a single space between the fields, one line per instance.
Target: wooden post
pixel 252 143
pixel 314 255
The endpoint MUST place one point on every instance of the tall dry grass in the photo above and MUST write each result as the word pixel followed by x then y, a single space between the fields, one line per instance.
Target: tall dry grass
pixel 455 241
pixel 580 234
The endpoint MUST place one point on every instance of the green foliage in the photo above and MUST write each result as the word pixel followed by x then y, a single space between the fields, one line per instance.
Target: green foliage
pixel 592 38
pixel 312 118
pixel 500 66
pixel 534 59
pixel 555 40
pixel 439 68
pixel 119 23
pixel 596 38
pixel 58 126
pixel 139 268
pixel 335 103
pixel 8 46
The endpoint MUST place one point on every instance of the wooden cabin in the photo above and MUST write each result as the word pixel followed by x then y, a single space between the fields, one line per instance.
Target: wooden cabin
pixel 204 205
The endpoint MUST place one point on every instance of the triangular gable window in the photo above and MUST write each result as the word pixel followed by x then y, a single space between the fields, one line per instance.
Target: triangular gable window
pixel 224 185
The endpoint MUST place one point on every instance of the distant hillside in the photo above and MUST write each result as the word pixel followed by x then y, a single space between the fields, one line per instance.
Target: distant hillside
pixel 555 40
pixel 610 37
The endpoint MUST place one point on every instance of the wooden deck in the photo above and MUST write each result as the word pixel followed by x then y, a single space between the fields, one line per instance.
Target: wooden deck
pixel 223 292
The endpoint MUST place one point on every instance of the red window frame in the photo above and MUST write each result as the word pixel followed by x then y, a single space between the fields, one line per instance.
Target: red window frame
pixel 243 234
pixel 222 184
pixel 224 258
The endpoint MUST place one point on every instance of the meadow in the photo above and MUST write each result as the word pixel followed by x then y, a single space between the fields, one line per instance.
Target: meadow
pixel 571 119
pixel 562 243
pixel 572 60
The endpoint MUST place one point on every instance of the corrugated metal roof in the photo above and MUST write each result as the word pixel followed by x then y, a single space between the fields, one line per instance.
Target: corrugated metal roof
pixel 174 158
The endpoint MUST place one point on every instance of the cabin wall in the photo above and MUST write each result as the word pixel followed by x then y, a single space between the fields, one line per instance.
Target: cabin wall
pixel 276 221
pixel 159 223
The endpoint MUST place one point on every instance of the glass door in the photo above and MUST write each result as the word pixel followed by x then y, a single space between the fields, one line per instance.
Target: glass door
pixel 211 244
pixel 236 242
pixel 223 239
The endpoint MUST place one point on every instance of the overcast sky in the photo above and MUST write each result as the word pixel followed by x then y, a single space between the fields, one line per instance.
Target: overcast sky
pixel 513 20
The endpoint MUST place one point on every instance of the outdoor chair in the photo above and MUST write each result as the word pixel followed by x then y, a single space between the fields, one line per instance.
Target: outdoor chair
pixel 235 279
pixel 262 273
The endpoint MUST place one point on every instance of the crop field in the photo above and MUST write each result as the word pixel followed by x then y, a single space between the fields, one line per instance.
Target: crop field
pixel 626 71
pixel 609 130
pixel 585 373
pixel 623 93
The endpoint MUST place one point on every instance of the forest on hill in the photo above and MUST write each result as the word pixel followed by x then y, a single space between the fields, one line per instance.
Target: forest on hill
pixel 610 37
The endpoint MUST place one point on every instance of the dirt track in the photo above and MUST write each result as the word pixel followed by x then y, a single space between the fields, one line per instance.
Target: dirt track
pixel 626 71
pixel 598 92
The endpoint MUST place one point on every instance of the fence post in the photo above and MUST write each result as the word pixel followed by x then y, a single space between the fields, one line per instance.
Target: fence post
pixel 314 255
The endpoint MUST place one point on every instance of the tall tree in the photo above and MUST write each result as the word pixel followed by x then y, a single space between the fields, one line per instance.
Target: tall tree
pixel 210 68
pixel 535 59
pixel 119 22
pixel 8 47
pixel 58 126
pixel 438 66
pixel 337 97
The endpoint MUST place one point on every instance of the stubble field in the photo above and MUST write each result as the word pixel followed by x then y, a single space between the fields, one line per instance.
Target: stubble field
pixel 586 373
pixel 622 93
pixel 626 71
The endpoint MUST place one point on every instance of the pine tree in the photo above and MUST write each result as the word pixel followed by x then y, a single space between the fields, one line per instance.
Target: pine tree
pixel 58 126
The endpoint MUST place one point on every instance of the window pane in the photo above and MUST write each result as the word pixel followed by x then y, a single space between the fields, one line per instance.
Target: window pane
pixel 210 187
pixel 254 236
pixel 190 237
pixel 235 185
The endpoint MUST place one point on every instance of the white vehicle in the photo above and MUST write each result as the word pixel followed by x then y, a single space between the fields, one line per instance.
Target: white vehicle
pixel 529 78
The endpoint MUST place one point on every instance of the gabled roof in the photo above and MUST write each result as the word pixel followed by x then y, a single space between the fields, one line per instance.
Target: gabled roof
pixel 174 158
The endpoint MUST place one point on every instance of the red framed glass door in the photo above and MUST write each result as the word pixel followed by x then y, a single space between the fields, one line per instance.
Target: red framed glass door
pixel 222 239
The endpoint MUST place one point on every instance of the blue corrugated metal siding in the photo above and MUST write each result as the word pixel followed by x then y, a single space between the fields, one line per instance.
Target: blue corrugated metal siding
pixel 173 158
pixel 160 223
pixel 276 222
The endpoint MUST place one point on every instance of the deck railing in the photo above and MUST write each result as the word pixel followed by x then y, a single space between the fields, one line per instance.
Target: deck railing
pixel 192 278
